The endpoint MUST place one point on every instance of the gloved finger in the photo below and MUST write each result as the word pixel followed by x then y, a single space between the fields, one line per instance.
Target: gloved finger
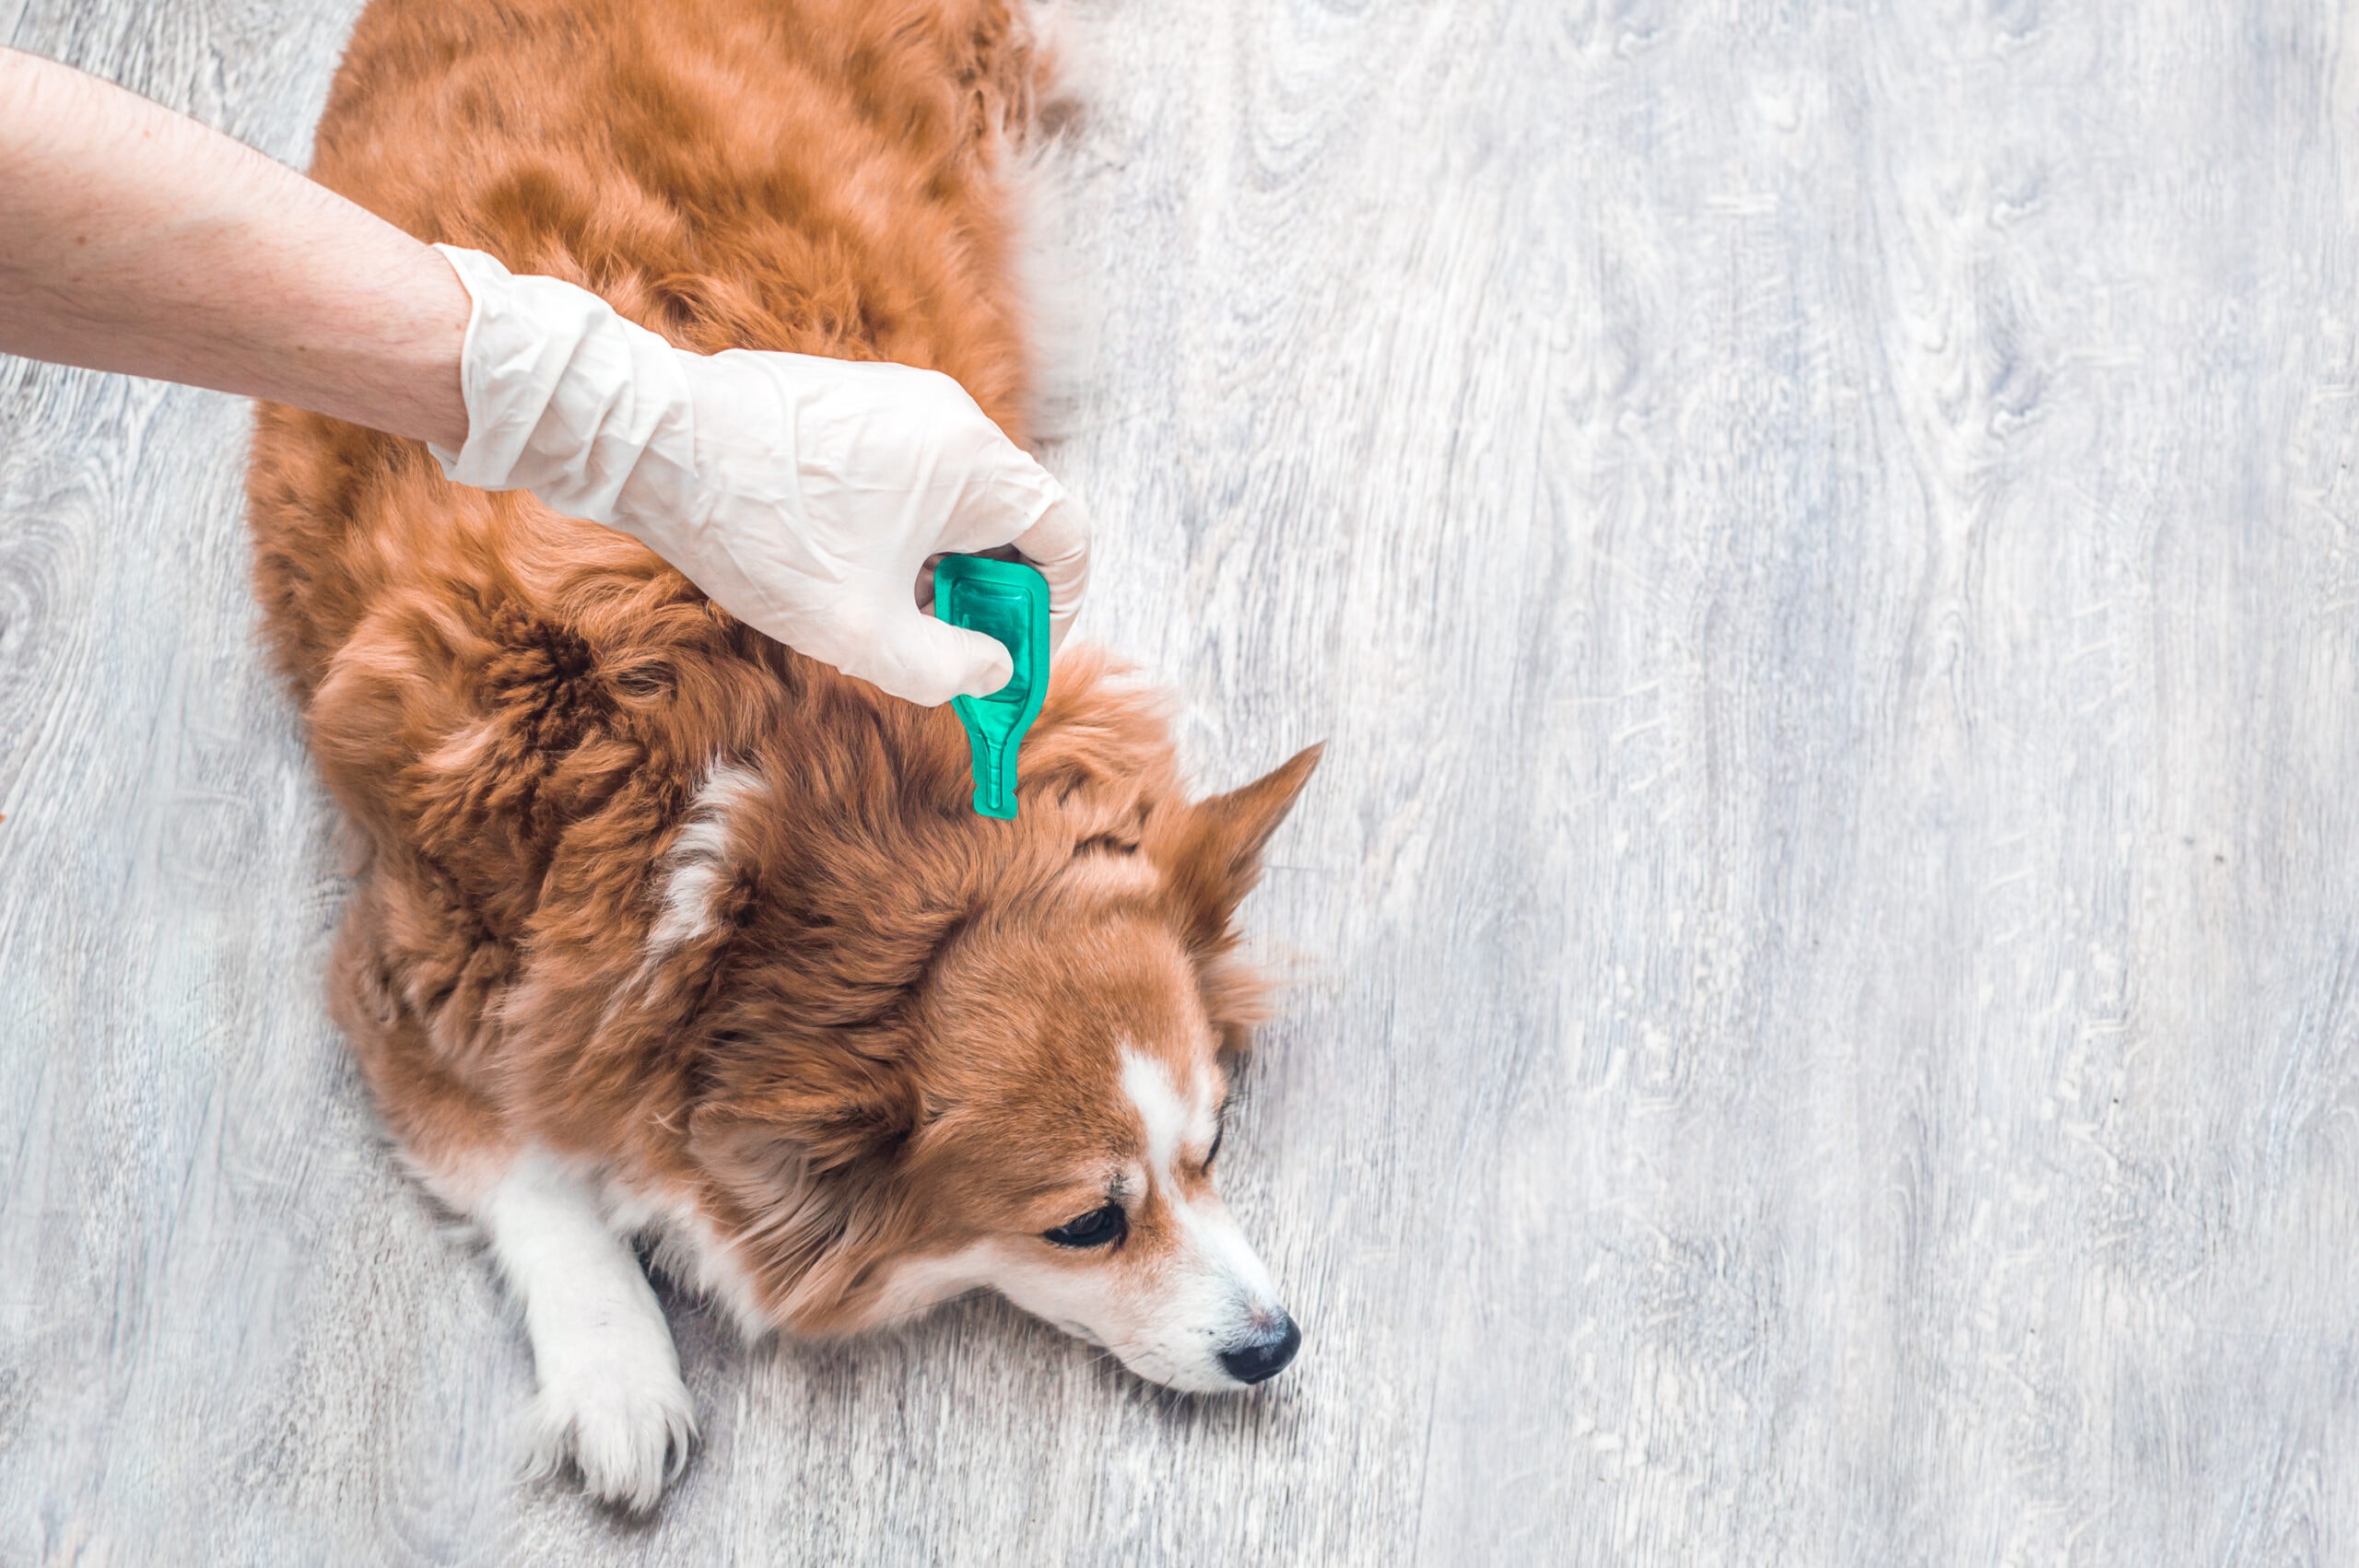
pixel 1002 489
pixel 1059 545
pixel 927 661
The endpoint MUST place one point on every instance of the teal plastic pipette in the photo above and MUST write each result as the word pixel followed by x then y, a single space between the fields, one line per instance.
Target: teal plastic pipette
pixel 1009 601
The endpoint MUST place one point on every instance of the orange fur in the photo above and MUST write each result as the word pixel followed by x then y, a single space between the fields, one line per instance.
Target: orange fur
pixel 896 1031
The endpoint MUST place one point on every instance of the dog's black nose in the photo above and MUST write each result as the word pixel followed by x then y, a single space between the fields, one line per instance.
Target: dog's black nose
pixel 1267 1356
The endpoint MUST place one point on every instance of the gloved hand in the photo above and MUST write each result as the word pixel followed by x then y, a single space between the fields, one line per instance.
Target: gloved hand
pixel 802 494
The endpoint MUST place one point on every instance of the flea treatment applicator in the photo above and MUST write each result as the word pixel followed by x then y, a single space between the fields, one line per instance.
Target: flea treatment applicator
pixel 1009 601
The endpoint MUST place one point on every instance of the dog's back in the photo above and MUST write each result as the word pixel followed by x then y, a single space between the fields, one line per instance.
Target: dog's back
pixel 820 176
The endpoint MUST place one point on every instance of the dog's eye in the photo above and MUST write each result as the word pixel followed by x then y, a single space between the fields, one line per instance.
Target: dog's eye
pixel 1213 1152
pixel 1100 1227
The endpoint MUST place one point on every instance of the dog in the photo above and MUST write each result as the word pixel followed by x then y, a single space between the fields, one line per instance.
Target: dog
pixel 661 934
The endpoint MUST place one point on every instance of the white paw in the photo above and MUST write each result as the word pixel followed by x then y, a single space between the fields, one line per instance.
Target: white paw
pixel 624 1423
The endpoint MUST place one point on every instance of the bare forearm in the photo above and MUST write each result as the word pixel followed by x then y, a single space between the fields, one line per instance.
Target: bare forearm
pixel 134 239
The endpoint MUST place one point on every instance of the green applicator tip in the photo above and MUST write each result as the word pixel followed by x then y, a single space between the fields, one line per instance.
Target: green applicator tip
pixel 1009 601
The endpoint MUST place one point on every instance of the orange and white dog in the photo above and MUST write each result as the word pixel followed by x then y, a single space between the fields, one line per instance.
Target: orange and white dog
pixel 662 931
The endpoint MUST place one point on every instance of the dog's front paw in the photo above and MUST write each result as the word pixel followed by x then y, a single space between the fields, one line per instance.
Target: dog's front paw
pixel 626 1425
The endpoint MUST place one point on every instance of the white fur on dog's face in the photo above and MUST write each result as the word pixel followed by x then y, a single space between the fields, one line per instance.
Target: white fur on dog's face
pixel 1188 1294
pixel 1180 1289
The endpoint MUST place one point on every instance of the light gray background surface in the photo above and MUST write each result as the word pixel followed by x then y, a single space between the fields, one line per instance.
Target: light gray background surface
pixel 1822 538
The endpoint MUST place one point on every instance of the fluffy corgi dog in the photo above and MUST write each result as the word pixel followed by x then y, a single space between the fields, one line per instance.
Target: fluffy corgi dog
pixel 662 932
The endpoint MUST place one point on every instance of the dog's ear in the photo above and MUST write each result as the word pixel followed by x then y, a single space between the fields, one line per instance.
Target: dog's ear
pixel 1212 856
pixel 779 1112
pixel 804 1137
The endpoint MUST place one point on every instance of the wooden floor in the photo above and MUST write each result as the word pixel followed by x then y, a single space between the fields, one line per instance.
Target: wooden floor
pixel 1822 539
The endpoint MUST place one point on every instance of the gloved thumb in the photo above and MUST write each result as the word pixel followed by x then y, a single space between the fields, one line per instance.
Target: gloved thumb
pixel 929 661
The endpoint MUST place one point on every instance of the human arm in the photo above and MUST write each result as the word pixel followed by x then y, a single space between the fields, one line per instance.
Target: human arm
pixel 803 495
pixel 139 240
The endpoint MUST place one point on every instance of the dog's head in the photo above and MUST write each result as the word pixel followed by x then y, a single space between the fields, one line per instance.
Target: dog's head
pixel 998 1056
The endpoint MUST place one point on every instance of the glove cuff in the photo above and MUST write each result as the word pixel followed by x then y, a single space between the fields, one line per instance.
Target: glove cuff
pixel 564 397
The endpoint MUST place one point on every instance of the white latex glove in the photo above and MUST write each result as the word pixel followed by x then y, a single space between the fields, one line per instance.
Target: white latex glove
pixel 803 495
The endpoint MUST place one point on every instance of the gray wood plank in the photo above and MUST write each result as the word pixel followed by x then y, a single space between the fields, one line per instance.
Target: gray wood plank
pixel 1822 542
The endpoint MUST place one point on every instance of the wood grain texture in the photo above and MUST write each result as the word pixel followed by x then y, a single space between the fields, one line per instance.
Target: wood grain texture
pixel 1828 939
